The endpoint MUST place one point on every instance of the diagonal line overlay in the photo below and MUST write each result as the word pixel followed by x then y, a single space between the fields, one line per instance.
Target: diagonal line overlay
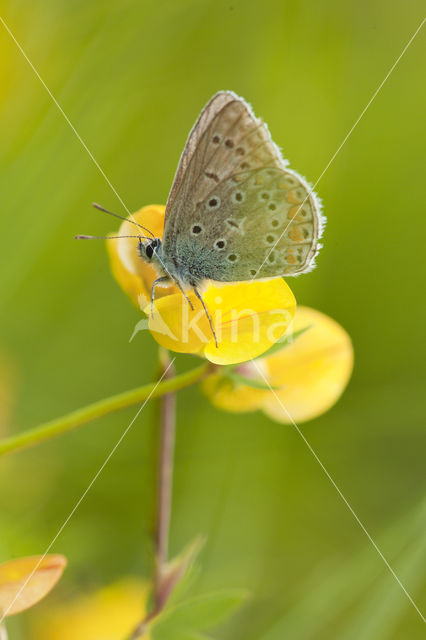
pixel 315 455
pixel 84 494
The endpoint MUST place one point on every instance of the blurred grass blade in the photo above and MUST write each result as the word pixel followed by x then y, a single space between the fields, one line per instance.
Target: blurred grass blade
pixel 197 614
pixel 381 609
pixel 332 592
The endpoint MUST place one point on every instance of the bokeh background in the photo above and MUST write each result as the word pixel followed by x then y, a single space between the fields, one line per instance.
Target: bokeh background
pixel 132 77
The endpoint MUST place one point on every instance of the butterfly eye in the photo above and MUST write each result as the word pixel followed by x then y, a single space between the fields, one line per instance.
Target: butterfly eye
pixel 149 251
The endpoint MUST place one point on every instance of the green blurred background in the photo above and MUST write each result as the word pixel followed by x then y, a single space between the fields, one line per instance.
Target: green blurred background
pixel 132 77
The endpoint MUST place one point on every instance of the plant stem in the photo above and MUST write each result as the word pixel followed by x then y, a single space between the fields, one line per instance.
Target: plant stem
pixel 102 408
pixel 165 482
pixel 3 632
pixel 164 498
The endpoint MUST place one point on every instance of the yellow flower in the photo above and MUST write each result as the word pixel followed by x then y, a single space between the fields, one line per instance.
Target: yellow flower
pixel 248 317
pixel 307 376
pixel 108 614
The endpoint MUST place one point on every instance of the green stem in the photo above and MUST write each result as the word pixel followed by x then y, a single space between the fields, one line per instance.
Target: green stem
pixel 101 408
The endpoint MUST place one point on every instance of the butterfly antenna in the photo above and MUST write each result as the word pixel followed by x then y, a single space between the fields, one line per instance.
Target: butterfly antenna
pixel 84 237
pixel 98 206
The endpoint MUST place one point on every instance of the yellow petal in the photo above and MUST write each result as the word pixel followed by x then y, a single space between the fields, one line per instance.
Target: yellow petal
pixel 248 317
pixel 110 613
pixel 134 275
pixel 313 371
pixel 25 581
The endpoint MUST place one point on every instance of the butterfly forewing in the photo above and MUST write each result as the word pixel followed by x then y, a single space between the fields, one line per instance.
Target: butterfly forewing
pixel 235 212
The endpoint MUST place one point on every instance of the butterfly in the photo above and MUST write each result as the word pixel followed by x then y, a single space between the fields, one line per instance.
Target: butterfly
pixel 235 211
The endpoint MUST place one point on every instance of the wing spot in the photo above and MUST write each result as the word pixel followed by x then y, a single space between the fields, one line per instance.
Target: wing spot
pixel 238 196
pixel 289 181
pixel 196 229
pixel 213 203
pixel 232 257
pixel 220 244
pixel 245 165
pixel 236 225
pixel 264 195
pixel 272 206
pixel 217 138
pixel 253 272
pixel 240 151
pixel 297 196
pixel 229 143
pixel 295 234
pixel 271 257
pixel 270 238
pixel 275 223
pixel 213 176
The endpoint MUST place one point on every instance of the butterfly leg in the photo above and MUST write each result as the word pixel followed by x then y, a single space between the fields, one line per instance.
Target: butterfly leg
pixel 184 294
pixel 154 284
pixel 198 294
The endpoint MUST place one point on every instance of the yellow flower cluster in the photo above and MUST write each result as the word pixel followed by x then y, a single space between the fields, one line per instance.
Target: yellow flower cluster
pixel 306 376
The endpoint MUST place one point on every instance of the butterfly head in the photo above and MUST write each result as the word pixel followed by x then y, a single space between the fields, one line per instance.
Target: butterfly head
pixel 149 250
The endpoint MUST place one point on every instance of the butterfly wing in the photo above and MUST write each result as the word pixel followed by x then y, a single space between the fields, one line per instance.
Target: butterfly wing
pixel 256 224
pixel 230 155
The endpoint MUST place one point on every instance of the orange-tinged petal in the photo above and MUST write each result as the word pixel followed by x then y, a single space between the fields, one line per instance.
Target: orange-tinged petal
pixel 25 581
pixel 110 613
pixel 248 317
pixel 134 275
pixel 313 371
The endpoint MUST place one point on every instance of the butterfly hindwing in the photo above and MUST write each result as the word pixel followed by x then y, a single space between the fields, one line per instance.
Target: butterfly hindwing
pixel 256 224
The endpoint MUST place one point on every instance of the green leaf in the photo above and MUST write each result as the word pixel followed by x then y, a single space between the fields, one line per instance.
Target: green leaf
pixel 178 573
pixel 284 342
pixel 200 613
pixel 249 382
